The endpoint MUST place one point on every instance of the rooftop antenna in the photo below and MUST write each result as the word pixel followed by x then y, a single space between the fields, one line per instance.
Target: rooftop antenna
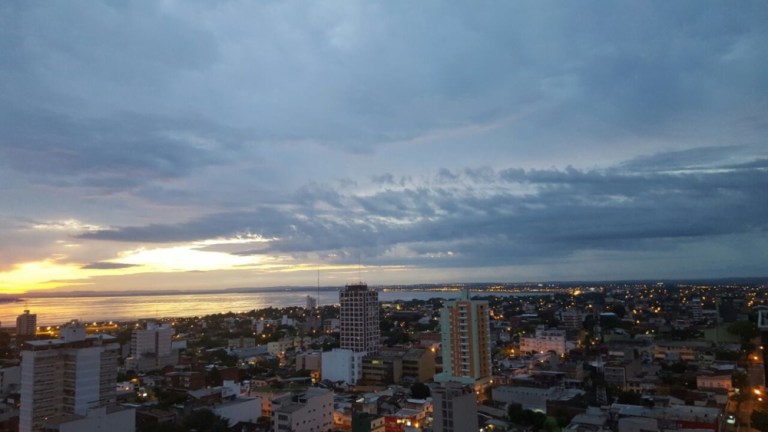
pixel 318 289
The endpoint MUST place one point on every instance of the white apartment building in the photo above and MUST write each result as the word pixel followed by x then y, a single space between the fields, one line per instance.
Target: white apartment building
pixel 154 339
pixel 151 347
pixel 310 411
pixel 342 365
pixel 544 340
pixel 66 376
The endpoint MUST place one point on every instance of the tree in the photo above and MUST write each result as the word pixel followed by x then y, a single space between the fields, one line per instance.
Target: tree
pixel 204 420
pixel 550 424
pixel 759 420
pixel 523 417
pixel 160 427
pixel 745 330
pixel 630 398
pixel 420 391
pixel 214 377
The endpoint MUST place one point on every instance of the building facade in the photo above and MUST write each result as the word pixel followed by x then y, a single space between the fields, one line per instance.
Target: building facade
pixel 544 340
pixel 154 339
pixel 26 324
pixel 571 319
pixel 359 323
pixel 66 376
pixel 455 408
pixel 466 339
pixel 310 411
pixel 342 365
pixel 151 347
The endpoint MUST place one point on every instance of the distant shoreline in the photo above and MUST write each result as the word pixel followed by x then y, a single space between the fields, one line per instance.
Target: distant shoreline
pixel 10 300
pixel 489 287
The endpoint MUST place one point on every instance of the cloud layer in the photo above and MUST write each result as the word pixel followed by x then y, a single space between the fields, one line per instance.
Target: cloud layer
pixel 526 140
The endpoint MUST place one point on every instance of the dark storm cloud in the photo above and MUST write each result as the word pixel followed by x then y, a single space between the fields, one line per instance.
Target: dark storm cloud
pixel 354 78
pixel 462 224
pixel 433 134
pixel 111 153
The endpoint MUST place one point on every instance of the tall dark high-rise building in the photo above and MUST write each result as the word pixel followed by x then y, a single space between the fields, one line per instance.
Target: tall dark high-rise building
pixel 359 327
pixel 26 324
pixel 762 324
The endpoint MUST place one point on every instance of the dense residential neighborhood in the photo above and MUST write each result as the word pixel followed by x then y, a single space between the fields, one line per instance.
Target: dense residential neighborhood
pixel 604 357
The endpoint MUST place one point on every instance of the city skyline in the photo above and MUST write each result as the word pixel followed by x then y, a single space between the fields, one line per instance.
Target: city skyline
pixel 202 146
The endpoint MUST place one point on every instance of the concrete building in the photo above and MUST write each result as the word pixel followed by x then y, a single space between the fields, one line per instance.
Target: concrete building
pixel 311 361
pixel 359 319
pixel 675 351
pixel 455 408
pixel 419 365
pixel 26 324
pixel 571 319
pixel 10 380
pixel 544 340
pixel 618 373
pixel 239 409
pixel 240 343
pixel 382 369
pixel 466 340
pixel 667 418
pixel 310 411
pixel 367 422
pixel 533 398
pixel 151 347
pixel 113 419
pixel 695 309
pixel 762 325
pixel 66 376
pixel 713 380
pixel 342 365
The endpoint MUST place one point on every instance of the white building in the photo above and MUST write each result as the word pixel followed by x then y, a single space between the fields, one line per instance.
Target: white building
pixel 714 380
pixel 544 340
pixel 310 411
pixel 66 376
pixel 359 319
pixel 278 348
pixel 151 347
pixel 342 365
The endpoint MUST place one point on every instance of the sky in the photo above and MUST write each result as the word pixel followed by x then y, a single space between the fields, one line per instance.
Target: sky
pixel 216 144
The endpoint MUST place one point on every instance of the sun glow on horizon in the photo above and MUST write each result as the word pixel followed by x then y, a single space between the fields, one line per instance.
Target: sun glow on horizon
pixel 39 275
